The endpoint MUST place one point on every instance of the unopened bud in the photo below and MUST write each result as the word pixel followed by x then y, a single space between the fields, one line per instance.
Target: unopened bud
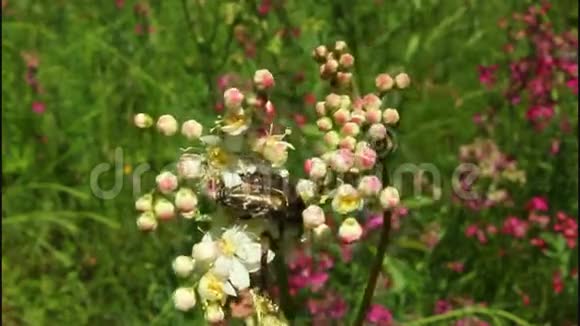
pixel 321 232
pixel 214 314
pixel 147 222
pixel 166 182
pixel 374 115
pixel 190 166
pixel 164 209
pixel 402 80
pixel 233 98
pixel 186 200
pixel 384 82
pixel 331 139
pixel 332 101
pixel 191 129
pixel 184 299
pixel 369 186
pixel 350 129
pixel 313 216
pixel 263 79
pixel 348 142
pixel 183 266
pixel 320 109
pixel 324 123
pixel 143 120
pixel 346 60
pixel 341 116
pixel 391 116
pixel 167 125
pixel 320 53
pixel 350 230
pixel 144 203
pixel 389 198
pixel 340 46
pixel 377 131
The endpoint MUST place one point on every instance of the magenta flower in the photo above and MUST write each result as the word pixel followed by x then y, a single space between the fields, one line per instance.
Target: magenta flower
pixel 537 203
pixel 487 75
pixel 442 306
pixel 379 315
pixel 38 107
pixel 573 85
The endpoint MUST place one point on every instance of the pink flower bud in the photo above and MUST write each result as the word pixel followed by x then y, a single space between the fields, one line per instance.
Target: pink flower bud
pixel 142 120
pixel 147 222
pixel 384 82
pixel 164 209
pixel 317 169
pixel 166 182
pixel 389 198
pixel 391 116
pixel 344 78
pixel 167 125
pixel 191 129
pixel 402 80
pixel 346 60
pixel 347 142
pixel 369 186
pixel 320 53
pixel 144 203
pixel 374 115
pixel 333 101
pixel 365 158
pixel 371 102
pixel 358 117
pixel 320 109
pixel 350 230
pixel 185 200
pixel 263 79
pixel 342 160
pixel 324 123
pixel 233 98
pixel 190 166
pixel 330 67
pixel 350 129
pixel 377 131
pixel 341 116
pixel 331 139
pixel 313 216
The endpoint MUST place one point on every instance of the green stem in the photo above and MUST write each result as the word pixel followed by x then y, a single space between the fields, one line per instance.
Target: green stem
pixel 467 312
pixel 378 263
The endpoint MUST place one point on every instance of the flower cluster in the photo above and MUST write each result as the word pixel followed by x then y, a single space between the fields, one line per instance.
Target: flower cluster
pixel 242 143
pixel 550 64
pixel 493 171
pixel 357 134
pixel 532 229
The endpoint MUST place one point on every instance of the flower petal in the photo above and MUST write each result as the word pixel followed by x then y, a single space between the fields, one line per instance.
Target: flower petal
pixel 239 275
pixel 222 267
pixel 229 289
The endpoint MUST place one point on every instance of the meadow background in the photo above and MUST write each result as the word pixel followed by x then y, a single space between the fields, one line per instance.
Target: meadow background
pixel 75 72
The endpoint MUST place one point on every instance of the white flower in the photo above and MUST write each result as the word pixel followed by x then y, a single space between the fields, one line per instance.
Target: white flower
pixel 214 314
pixel 184 299
pixel 389 197
pixel 350 230
pixel 231 179
pixel 212 287
pixel 147 222
pixel 312 216
pixel 167 125
pixel 183 266
pixel 206 251
pixel 144 203
pixel 191 129
pixel 190 166
pixel 306 189
pixel 239 255
pixel 346 199
pixel 235 123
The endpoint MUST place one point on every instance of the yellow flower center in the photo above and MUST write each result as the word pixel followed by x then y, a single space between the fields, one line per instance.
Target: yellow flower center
pixel 215 287
pixel 226 247
pixel 218 157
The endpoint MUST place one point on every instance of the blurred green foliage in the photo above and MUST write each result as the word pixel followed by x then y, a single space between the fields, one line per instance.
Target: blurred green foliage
pixel 72 258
